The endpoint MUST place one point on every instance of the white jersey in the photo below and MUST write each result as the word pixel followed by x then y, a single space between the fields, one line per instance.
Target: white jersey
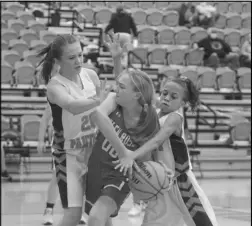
pixel 77 130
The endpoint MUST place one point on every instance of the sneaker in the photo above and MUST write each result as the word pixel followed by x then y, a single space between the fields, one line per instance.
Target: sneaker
pixel 48 216
pixel 137 209
pixel 5 175
pixel 83 220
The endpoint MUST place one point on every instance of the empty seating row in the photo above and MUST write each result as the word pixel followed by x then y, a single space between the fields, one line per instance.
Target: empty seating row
pixel 184 36
pixel 210 80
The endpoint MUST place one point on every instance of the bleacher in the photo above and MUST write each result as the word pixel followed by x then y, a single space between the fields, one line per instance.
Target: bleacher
pixel 164 50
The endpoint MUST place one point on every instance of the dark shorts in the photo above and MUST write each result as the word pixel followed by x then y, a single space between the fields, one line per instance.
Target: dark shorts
pixel 116 188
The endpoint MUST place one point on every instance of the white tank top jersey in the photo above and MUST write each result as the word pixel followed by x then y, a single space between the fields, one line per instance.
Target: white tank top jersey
pixel 78 130
pixel 166 156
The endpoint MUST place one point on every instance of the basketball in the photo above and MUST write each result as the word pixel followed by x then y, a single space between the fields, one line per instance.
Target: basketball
pixel 152 179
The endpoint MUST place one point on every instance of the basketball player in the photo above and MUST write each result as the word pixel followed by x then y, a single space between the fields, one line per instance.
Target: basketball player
pixel 185 200
pixel 52 192
pixel 72 95
pixel 129 114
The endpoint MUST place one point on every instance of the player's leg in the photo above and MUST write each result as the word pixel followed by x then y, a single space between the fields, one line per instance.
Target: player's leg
pixel 70 188
pixel 52 194
pixel 113 194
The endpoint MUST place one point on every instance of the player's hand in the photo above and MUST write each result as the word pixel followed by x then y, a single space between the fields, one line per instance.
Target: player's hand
pixel 126 164
pixel 114 45
pixel 41 147
pixel 105 90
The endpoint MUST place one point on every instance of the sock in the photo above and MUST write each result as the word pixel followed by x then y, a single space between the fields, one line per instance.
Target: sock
pixel 49 205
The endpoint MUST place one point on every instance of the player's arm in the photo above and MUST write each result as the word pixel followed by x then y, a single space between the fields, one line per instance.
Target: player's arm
pixel 58 94
pixel 101 119
pixel 172 123
pixel 47 115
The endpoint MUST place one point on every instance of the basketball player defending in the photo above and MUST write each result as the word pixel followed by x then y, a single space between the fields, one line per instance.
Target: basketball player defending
pixel 71 94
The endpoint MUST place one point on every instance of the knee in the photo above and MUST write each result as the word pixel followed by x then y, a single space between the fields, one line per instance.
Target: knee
pixel 73 213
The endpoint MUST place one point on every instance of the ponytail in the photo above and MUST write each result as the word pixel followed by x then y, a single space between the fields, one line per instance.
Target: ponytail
pixel 47 63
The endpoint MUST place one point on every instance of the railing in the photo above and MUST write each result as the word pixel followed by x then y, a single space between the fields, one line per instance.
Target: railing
pixel 198 117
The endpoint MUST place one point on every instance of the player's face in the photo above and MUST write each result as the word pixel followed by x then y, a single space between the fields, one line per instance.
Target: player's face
pixel 171 97
pixel 72 59
pixel 125 93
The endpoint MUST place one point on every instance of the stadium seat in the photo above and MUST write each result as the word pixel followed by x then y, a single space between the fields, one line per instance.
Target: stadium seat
pixel 246 20
pixel 197 34
pixel 225 79
pixel 8 34
pixel 235 7
pixel 139 15
pixel 36 26
pixel 169 72
pixel 191 73
pixel 130 5
pixel 176 56
pixel 141 53
pixel 171 18
pixel 221 22
pixel 29 129
pixel 5 124
pixel 161 5
pixel 28 35
pixel 31 56
pixel 182 36
pixel 11 56
pixel 146 5
pixel 194 57
pixel 246 8
pixel 18 45
pixel 7 15
pixel 154 17
pixel 244 35
pixel 14 7
pixel 47 36
pixel 3 24
pixel 146 34
pixel 219 32
pixel 88 13
pixel 244 79
pixel 157 56
pixel 102 15
pixel 24 73
pixel 165 35
pixel 97 4
pixel 113 4
pixel 16 25
pixel 241 133
pixel 6 73
pixel 38 44
pixel 234 20
pixel 233 38
pixel 4 45
pixel 207 78
pixel 25 16
pixel 222 7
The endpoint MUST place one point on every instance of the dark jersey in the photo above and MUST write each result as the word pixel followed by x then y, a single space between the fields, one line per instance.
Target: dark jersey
pixel 103 153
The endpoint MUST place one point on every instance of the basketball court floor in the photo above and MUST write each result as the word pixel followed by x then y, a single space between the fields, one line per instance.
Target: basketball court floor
pixel 23 203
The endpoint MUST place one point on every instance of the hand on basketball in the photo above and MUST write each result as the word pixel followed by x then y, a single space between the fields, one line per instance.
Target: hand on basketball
pixel 114 45
pixel 126 165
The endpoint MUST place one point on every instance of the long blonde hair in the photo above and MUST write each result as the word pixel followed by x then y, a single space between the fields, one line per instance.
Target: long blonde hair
pixel 148 125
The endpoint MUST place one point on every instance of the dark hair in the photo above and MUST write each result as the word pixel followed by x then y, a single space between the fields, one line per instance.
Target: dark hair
pixel 148 125
pixel 191 94
pixel 53 51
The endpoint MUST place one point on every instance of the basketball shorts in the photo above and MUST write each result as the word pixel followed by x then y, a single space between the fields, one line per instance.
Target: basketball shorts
pixel 114 187
pixel 70 180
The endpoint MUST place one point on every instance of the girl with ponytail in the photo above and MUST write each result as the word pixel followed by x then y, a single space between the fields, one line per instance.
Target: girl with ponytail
pixel 178 205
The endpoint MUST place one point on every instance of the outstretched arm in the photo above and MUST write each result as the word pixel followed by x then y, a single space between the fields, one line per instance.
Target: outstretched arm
pixel 172 123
